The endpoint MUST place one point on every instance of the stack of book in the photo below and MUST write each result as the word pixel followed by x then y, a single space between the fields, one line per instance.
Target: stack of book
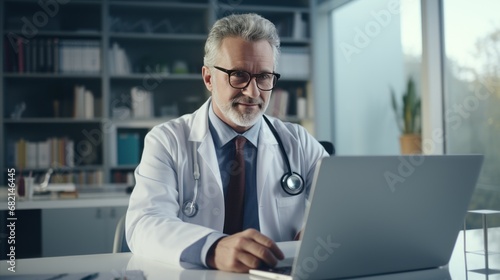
pixel 52 55
pixel 44 154
pixel 294 62
pixel 278 103
pixel 119 63
pixel 142 103
pixel 83 102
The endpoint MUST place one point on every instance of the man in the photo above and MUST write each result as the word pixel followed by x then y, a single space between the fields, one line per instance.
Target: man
pixel 182 208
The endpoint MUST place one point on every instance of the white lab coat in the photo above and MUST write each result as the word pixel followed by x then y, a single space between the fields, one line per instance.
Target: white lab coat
pixel 155 225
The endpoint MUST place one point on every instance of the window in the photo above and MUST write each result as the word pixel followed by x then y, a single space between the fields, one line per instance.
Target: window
pixel 363 47
pixel 376 47
pixel 472 92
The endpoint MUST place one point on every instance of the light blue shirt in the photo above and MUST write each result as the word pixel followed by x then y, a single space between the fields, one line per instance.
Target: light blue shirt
pixel 222 135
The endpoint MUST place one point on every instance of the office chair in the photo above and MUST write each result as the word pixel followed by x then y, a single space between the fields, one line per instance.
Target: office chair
pixel 329 147
pixel 120 243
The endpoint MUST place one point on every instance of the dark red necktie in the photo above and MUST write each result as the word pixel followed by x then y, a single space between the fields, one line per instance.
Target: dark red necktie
pixel 233 221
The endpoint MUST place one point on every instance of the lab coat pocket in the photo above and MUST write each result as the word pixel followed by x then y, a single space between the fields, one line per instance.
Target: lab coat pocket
pixel 290 215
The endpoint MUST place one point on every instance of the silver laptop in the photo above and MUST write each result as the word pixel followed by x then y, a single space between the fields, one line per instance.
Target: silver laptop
pixel 373 215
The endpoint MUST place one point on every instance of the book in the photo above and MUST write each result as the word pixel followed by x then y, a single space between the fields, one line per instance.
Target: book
pixel 69 153
pixel 31 154
pixel 278 103
pixel 128 148
pixel 55 55
pixel 88 104
pixel 43 159
pixel 142 103
pixel 20 55
pixel 79 101
pixel 83 102
pixel 294 62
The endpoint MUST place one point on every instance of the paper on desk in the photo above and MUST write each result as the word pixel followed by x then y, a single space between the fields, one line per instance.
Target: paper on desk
pixel 289 249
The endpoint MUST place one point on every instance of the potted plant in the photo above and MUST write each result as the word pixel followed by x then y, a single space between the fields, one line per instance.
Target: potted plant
pixel 408 119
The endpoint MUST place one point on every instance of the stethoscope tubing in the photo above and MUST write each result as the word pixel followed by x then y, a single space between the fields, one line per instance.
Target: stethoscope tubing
pixel 190 207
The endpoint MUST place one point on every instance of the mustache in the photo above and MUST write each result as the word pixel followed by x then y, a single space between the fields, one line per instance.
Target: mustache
pixel 246 99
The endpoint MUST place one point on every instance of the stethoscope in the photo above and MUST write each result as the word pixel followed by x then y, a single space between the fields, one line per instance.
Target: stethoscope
pixel 291 182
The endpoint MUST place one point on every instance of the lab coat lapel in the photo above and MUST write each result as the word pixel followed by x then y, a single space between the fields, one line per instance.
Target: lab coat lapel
pixel 266 153
pixel 201 133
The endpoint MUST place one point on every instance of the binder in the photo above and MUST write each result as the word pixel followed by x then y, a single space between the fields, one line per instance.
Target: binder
pixel 128 148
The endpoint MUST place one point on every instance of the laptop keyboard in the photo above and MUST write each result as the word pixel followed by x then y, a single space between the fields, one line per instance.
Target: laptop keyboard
pixel 286 270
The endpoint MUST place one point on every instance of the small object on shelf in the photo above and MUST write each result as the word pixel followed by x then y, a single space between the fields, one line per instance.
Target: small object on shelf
pixel 29 184
pixel 18 111
pixel 180 67
pixel 57 187
pixel 21 190
pixel 122 113
pixel 171 110
pixel 56 109
pixel 301 104
pixel 68 194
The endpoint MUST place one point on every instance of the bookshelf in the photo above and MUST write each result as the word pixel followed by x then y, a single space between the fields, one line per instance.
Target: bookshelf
pixel 77 83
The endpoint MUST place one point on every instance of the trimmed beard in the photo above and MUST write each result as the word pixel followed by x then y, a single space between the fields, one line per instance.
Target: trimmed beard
pixel 229 111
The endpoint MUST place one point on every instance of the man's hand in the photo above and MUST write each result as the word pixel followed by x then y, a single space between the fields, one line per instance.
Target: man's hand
pixel 242 251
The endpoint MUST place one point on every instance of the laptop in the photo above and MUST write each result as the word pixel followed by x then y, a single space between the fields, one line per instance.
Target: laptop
pixel 372 215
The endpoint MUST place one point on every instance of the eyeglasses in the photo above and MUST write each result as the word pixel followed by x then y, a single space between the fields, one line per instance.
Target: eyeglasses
pixel 240 79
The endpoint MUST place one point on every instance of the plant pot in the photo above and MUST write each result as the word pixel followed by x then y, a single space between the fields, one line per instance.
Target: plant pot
pixel 410 144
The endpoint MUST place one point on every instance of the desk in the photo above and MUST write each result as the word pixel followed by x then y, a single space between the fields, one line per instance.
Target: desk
pixel 99 197
pixel 456 270
pixel 83 225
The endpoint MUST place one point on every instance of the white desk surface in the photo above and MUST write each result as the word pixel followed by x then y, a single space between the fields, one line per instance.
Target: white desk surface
pixel 457 269
pixel 85 199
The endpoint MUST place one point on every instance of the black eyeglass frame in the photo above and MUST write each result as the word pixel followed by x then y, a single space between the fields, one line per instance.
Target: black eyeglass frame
pixel 229 72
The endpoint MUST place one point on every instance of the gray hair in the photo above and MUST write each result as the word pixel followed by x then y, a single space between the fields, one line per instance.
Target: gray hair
pixel 251 27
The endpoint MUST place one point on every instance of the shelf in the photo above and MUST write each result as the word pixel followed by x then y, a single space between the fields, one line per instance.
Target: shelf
pixel 162 76
pixel 51 76
pixel 124 167
pixel 150 35
pixel 274 9
pixel 86 2
pixel 292 79
pixel 86 200
pixel 291 41
pixel 64 34
pixel 139 123
pixel 62 168
pixel 52 121
pixel 158 36
pixel 149 4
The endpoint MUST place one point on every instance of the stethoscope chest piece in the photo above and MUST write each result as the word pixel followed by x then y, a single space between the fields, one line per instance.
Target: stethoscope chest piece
pixel 292 184
pixel 190 208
